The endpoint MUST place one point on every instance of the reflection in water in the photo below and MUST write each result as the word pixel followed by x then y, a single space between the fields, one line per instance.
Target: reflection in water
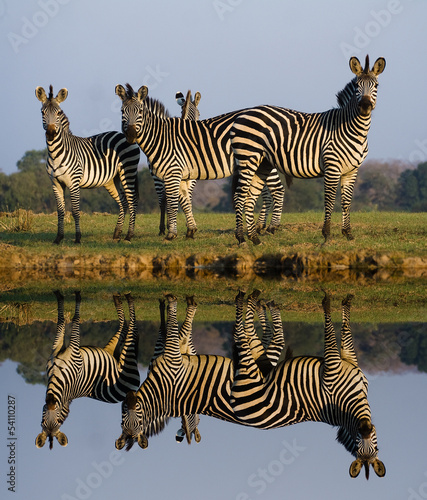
pixel 255 389
pixel 106 374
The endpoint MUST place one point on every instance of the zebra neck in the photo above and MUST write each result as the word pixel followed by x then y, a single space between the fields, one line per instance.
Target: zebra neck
pixel 153 134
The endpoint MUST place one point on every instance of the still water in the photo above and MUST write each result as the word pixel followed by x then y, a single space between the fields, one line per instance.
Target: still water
pixel 227 394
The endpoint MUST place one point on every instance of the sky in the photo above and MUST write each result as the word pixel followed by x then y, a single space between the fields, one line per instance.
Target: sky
pixel 237 53
pixel 231 461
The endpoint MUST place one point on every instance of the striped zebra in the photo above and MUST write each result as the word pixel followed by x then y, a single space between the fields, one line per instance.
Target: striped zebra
pixel 189 111
pixel 180 149
pixel 179 383
pixel 76 163
pixel 106 374
pixel 332 389
pixel 332 144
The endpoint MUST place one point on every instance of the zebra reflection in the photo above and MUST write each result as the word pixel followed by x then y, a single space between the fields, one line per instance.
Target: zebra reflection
pixel 106 374
pixel 183 384
pixel 189 422
pixel 332 389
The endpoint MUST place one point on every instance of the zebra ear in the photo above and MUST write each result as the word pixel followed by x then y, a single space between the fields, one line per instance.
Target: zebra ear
pixel 62 95
pixel 41 94
pixel 120 442
pixel 121 92
pixel 197 98
pixel 379 467
pixel 355 66
pixel 142 441
pixel 62 439
pixel 378 66
pixel 41 440
pixel 355 468
pixel 142 92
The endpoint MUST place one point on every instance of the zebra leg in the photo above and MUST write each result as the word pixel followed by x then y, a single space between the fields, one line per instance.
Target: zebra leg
pixel 347 347
pixel 114 344
pixel 267 202
pixel 332 360
pixel 277 192
pixel 347 187
pixel 172 200
pixel 185 200
pixel 128 361
pixel 186 330
pixel 129 179
pixel 159 186
pixel 114 188
pixel 75 210
pixel 58 191
pixel 331 181
pixel 255 189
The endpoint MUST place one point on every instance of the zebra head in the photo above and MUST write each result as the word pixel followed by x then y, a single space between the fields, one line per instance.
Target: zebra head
pixel 132 111
pixel 189 109
pixel 51 111
pixel 51 422
pixel 364 447
pixel 366 83
pixel 132 427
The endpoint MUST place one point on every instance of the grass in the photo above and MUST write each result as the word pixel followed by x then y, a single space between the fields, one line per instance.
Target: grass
pixel 376 232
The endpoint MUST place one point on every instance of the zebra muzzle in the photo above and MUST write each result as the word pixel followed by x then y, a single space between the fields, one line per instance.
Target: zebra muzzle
pixel 365 105
pixel 131 134
pixel 50 132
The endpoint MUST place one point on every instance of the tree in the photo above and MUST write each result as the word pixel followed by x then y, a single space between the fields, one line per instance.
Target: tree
pixel 412 189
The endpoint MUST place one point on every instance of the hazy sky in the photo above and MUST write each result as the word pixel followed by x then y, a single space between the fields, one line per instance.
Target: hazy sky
pixel 237 53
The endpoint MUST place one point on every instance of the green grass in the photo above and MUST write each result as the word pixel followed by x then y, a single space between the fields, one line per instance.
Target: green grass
pixel 377 232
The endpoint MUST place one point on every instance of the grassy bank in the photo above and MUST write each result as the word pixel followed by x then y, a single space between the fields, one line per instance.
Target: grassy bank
pixel 378 232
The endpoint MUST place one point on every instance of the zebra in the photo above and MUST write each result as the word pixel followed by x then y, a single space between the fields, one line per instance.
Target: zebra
pixel 332 389
pixel 105 159
pixel 189 111
pixel 189 423
pixel 179 384
pixel 332 144
pixel 106 374
pixel 180 149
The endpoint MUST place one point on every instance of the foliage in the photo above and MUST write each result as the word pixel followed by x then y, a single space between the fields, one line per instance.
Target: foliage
pixel 381 186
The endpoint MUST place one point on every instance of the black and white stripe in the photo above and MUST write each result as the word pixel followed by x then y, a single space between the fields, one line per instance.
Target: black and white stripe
pixel 332 389
pixel 332 144
pixel 180 149
pixel 180 384
pixel 76 163
pixel 106 374
pixel 189 111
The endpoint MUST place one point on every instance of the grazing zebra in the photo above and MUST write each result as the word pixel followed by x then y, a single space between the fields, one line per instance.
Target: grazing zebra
pixel 180 149
pixel 332 389
pixel 189 111
pixel 332 144
pixel 106 374
pixel 105 159
pixel 180 384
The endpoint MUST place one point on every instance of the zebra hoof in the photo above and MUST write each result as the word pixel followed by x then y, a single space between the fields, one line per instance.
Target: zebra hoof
pixel 348 235
pixel 255 240
pixel 190 233
pixel 272 229
pixel 171 236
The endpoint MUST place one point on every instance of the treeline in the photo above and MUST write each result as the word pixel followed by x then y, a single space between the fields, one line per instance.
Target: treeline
pixel 381 185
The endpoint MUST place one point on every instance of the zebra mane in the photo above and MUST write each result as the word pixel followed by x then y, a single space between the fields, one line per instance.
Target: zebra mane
pixel 345 95
pixel 50 92
pixel 155 106
pixel 345 438
pixel 156 426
